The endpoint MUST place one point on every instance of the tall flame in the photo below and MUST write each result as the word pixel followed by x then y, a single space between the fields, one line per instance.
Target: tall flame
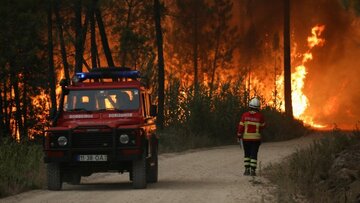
pixel 300 101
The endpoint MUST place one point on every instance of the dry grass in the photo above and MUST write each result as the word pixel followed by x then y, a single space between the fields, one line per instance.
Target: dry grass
pixel 302 173
pixel 21 167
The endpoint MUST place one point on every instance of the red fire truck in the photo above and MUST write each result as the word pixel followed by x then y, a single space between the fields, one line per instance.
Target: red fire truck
pixel 105 123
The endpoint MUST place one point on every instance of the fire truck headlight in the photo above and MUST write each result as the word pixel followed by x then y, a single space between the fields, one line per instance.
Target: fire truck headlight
pixel 124 139
pixel 62 141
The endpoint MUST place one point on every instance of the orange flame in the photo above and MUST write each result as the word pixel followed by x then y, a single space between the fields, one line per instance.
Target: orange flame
pixel 299 100
pixel 314 40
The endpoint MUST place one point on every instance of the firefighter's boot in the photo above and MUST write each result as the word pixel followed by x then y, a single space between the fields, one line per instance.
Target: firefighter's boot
pixel 253 172
pixel 247 172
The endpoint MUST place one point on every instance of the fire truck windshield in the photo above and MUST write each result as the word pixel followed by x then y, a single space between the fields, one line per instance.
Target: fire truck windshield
pixel 102 99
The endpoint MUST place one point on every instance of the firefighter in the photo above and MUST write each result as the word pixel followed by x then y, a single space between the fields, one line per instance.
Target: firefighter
pixel 249 130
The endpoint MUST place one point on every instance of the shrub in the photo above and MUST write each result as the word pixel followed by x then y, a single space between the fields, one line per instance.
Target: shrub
pixel 21 167
pixel 279 127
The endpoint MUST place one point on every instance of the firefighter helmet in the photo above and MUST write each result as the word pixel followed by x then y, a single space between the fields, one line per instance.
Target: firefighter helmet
pixel 254 103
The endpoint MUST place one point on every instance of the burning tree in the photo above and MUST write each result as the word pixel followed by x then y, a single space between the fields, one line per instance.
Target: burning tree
pixel 21 67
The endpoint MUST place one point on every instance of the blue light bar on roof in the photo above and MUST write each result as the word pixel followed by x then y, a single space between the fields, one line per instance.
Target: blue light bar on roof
pixel 111 74
pixel 80 75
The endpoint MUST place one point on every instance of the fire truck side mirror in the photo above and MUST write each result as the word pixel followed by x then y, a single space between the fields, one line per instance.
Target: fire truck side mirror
pixel 153 110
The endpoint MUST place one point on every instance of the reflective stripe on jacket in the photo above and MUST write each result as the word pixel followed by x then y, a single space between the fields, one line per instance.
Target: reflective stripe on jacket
pixel 250 126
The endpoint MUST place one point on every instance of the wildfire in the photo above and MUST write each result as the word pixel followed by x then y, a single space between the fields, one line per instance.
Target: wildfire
pixel 299 100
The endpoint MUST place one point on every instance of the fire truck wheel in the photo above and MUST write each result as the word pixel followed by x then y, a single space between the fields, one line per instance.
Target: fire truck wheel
pixel 139 173
pixel 54 181
pixel 152 168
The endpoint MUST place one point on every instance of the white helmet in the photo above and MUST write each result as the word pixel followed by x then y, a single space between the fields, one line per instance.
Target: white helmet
pixel 254 103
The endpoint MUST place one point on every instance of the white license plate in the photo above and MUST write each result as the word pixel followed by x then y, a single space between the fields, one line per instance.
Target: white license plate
pixel 92 157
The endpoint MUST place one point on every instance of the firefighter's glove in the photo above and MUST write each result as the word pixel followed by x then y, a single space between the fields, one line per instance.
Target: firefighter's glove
pixel 239 135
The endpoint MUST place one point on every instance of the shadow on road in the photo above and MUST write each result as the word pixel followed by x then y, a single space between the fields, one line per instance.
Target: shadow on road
pixel 168 184
pixel 98 186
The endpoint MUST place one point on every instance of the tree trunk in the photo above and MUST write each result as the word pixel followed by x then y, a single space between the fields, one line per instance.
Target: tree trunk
pixel 83 38
pixel 62 41
pixel 215 61
pixel 51 59
pixel 287 60
pixel 124 50
pixel 2 123
pixel 195 54
pixel 104 39
pixel 78 37
pixel 25 101
pixel 93 36
pixel 161 74
pixel 275 85
pixel 18 119
pixel 6 107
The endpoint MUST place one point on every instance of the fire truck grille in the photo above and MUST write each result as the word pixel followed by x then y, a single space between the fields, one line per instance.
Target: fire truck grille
pixel 92 140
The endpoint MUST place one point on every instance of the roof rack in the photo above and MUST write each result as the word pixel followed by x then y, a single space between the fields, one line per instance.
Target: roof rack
pixel 111 73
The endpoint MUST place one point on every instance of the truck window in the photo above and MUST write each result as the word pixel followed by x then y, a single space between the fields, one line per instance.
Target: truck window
pixel 102 99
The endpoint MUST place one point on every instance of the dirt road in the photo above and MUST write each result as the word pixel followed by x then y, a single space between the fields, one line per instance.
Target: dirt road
pixel 207 175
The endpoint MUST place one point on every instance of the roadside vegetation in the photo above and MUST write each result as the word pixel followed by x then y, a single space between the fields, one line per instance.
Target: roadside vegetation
pixel 326 171
pixel 21 167
pixel 212 119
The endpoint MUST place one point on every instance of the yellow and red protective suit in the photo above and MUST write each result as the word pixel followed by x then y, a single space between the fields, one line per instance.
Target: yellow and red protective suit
pixel 249 130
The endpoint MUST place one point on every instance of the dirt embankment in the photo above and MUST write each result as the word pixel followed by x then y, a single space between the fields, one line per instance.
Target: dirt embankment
pixel 206 175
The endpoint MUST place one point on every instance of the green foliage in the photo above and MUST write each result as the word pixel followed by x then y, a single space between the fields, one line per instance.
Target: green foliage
pixel 301 173
pixel 214 120
pixel 21 167
pixel 280 127
pixel 216 116
pixel 134 30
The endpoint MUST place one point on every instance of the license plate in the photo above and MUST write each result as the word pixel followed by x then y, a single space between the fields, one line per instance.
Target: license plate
pixel 92 157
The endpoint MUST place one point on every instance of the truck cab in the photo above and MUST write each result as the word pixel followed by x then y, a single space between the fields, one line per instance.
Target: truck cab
pixel 105 123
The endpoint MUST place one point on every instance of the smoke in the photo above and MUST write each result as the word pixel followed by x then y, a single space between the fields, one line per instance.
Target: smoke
pixel 332 83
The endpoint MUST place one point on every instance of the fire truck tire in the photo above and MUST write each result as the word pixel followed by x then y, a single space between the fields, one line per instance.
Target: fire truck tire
pixel 152 168
pixel 54 181
pixel 139 173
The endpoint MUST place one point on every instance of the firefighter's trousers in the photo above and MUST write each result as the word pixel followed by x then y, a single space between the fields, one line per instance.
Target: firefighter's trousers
pixel 251 149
